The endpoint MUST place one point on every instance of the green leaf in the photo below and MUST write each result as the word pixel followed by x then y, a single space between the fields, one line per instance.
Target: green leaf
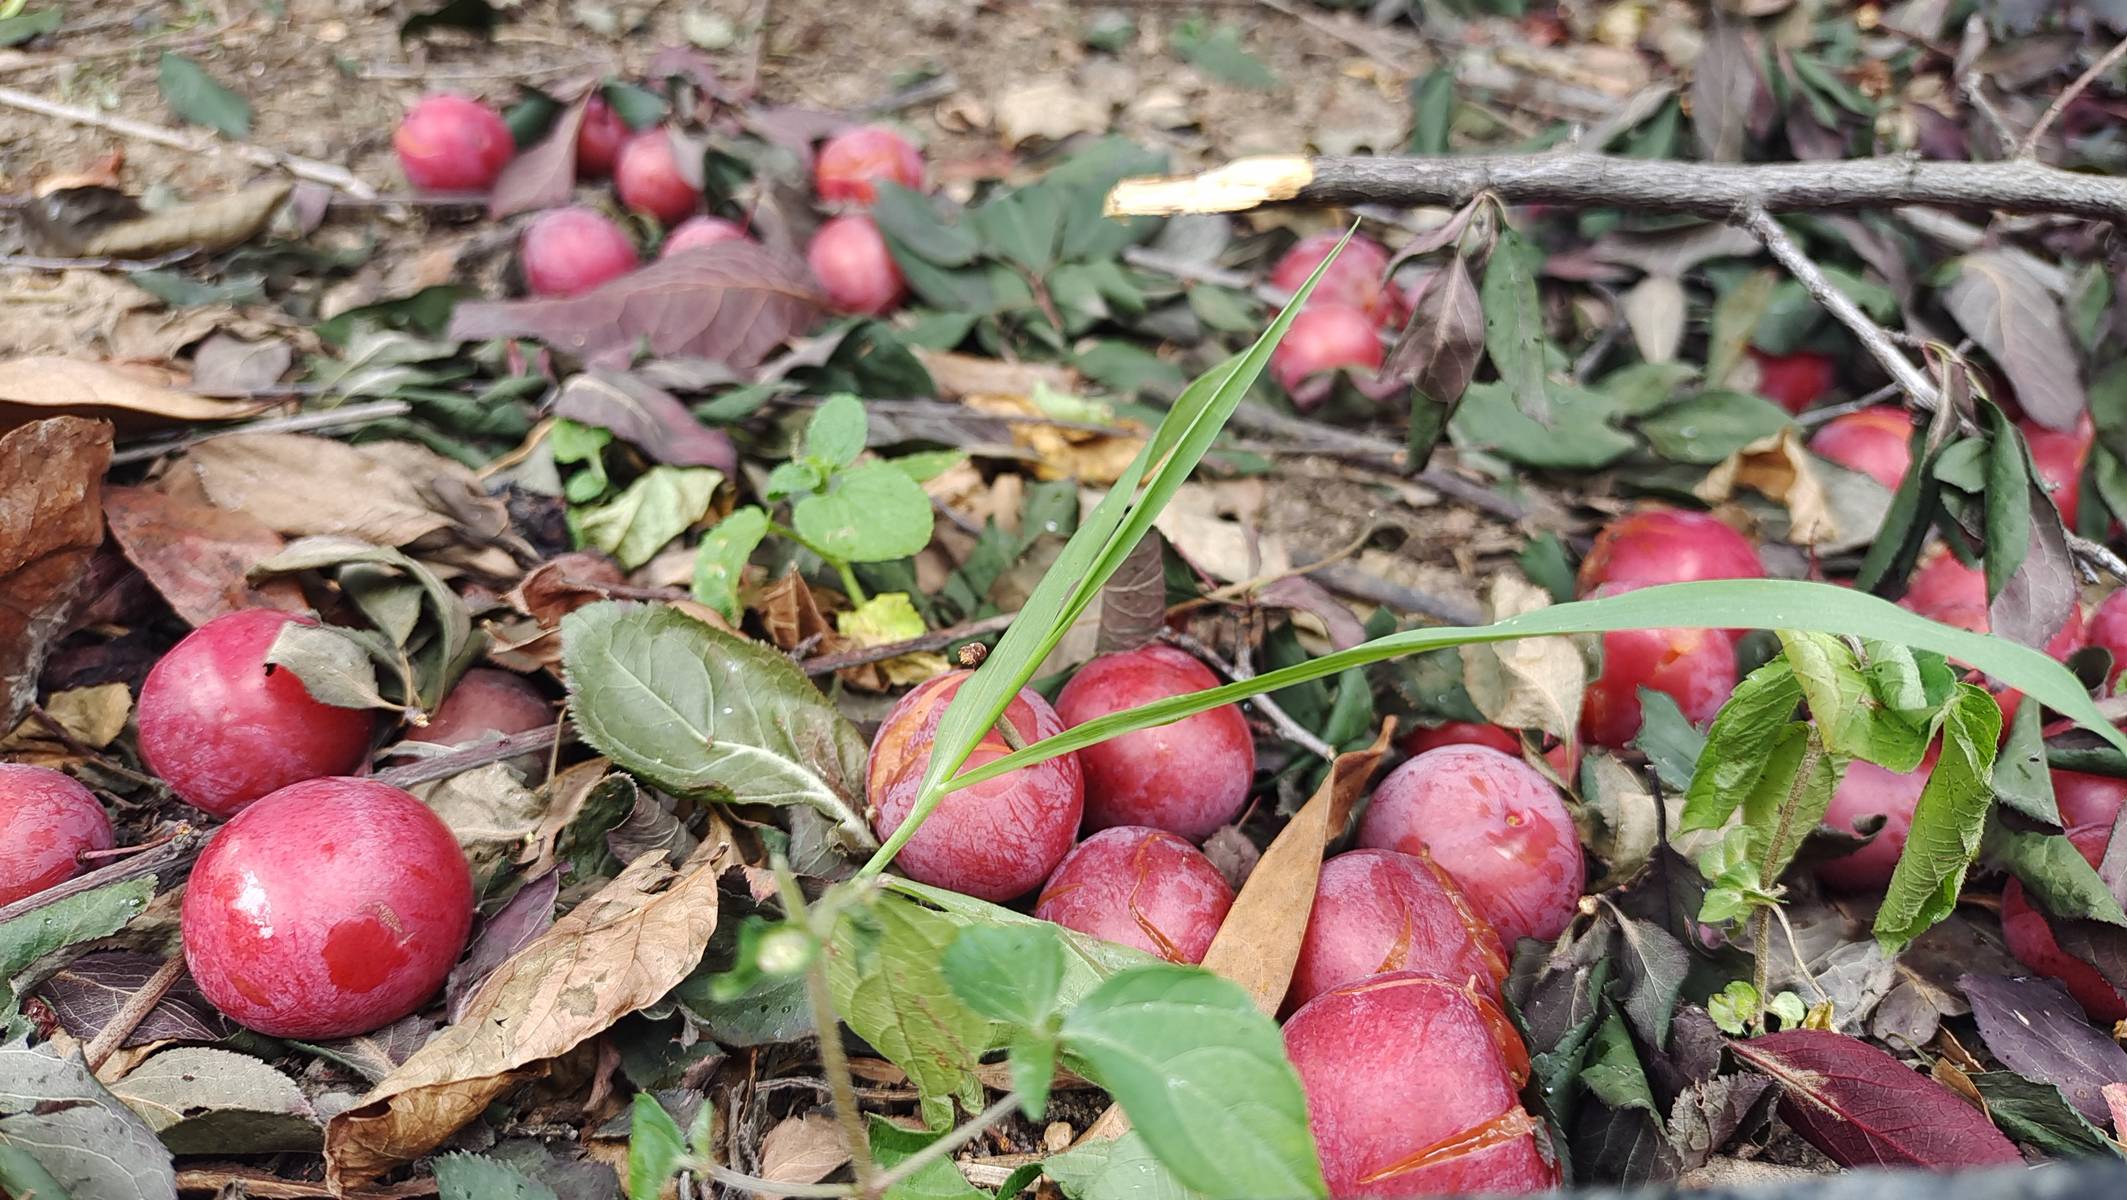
pixel 201 1100
pixel 793 479
pixel 1432 112
pixel 1789 800
pixel 1579 437
pixel 2037 1114
pixel 1022 226
pixel 22 27
pixel 706 715
pixel 720 560
pixel 835 436
pixel 638 108
pixel 1514 324
pixel 1652 965
pixel 2022 780
pixel 655 1148
pixel 1202 1074
pixel 913 226
pixel 477 1177
pixel 1009 974
pixel 1743 735
pixel 1218 53
pixel 333 664
pixel 873 513
pixel 1613 1072
pixel 926 465
pixel 1705 429
pixel 1947 823
pixel 1736 312
pixel 1722 604
pixel 659 506
pixel 1033 1067
pixel 2008 502
pixel 1088 961
pixel 55 1111
pixel 21 1175
pixel 1668 739
pixel 1850 718
pixel 192 94
pixel 1543 559
pixel 82 917
pixel 1124 1169
pixel 891 1145
pixel 2054 872
pixel 1103 540
pixel 885 971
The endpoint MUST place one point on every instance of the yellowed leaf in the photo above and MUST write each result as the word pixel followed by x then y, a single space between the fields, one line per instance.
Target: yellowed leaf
pixel 1062 452
pixel 91 716
pixel 1259 943
pixel 803 1149
pixel 1830 509
pixel 130 398
pixel 1533 683
pixel 214 224
pixel 619 951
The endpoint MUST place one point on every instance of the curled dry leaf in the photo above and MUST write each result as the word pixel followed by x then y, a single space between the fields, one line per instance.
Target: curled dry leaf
pixel 88 717
pixel 196 555
pixel 803 1149
pixel 51 522
pixel 207 225
pixel 1655 309
pixel 1259 943
pixel 1533 683
pixel 130 399
pixel 1090 457
pixel 733 303
pixel 1438 351
pixel 617 952
pixel 1827 507
pixel 1864 1108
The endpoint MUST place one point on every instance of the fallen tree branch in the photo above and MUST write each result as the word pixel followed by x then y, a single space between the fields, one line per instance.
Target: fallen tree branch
pixel 2111 59
pixel 1648 185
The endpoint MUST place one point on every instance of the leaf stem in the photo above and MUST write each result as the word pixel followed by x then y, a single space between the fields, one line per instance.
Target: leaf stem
pixel 1761 926
pixel 834 1062
pixel 907 1167
pixel 769 1187
pixel 841 566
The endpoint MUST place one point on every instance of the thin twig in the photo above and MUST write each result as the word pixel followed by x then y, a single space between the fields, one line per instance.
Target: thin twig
pixel 769 1187
pixel 302 168
pixel 2091 553
pixel 173 858
pixel 1716 190
pixel 33 262
pixel 1842 307
pixel 967 1132
pixel 1294 732
pixel 1368 43
pixel 2029 146
pixel 834 1059
pixel 1973 85
pixel 458 762
pixel 330 418
pixel 133 1012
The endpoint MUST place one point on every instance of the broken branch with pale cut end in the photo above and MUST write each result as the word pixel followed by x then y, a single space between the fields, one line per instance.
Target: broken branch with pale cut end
pixel 1242 184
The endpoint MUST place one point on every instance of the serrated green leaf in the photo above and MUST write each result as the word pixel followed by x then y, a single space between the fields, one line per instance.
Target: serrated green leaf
pixel 1124 1169
pixel 192 94
pixel 1668 739
pixel 885 970
pixel 1514 324
pixel 835 435
pixel 2022 780
pixel 655 1148
pixel 891 1145
pixel 464 1176
pixel 638 108
pixel 1947 823
pixel 1202 1074
pixel 913 227
pixel 1705 429
pixel 200 1100
pixel 1850 718
pixel 872 513
pixel 2054 872
pixel 1088 961
pixel 1750 724
pixel 53 1110
pixel 82 917
pixel 720 560
pixel 332 665
pixel 2037 1114
pixel 1652 965
pixel 1033 1067
pixel 659 506
pixel 1579 437
pixel 1007 973
pixel 706 715
pixel 1789 800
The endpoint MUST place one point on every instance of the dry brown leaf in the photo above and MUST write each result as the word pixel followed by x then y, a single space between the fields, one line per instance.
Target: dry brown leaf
pixel 207 225
pixel 791 616
pixel 197 555
pixel 1218 529
pixel 1051 108
pixel 1259 943
pixel 1829 509
pixel 617 952
pixel 132 398
pixel 91 716
pixel 301 485
pixel 803 1149
pixel 1532 683
pixel 1655 309
pixel 51 522
pixel 959 375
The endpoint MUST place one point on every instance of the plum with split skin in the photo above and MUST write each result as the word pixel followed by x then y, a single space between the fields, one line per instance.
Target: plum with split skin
pixel 1495 825
pixel 1357 280
pixel 223 728
pixel 994 840
pixel 1140 887
pixel 1411 1085
pixel 1187 777
pixel 1378 911
pixel 327 909
pixel 47 822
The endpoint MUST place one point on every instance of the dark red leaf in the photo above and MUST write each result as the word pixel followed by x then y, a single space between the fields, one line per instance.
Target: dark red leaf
pixel 2038 1031
pixel 649 418
pixel 86 993
pixel 51 521
pixel 2036 599
pixel 1133 603
pixel 1438 352
pixel 1864 1108
pixel 198 556
pixel 545 175
pixel 2019 324
pixel 733 302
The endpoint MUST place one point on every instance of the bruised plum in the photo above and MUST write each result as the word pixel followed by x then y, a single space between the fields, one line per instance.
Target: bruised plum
pixel 1378 911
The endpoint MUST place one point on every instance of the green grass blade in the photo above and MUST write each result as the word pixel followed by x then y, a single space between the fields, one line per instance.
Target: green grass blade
pixel 1720 604
pixel 1116 525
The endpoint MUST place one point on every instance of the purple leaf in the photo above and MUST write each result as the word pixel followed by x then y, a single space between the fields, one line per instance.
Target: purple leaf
pixel 2020 326
pixel 733 302
pixel 648 418
pixel 1864 1108
pixel 545 175
pixel 2038 1031
pixel 1438 352
pixel 512 928
pixel 2036 599
pixel 1133 603
pixel 86 993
